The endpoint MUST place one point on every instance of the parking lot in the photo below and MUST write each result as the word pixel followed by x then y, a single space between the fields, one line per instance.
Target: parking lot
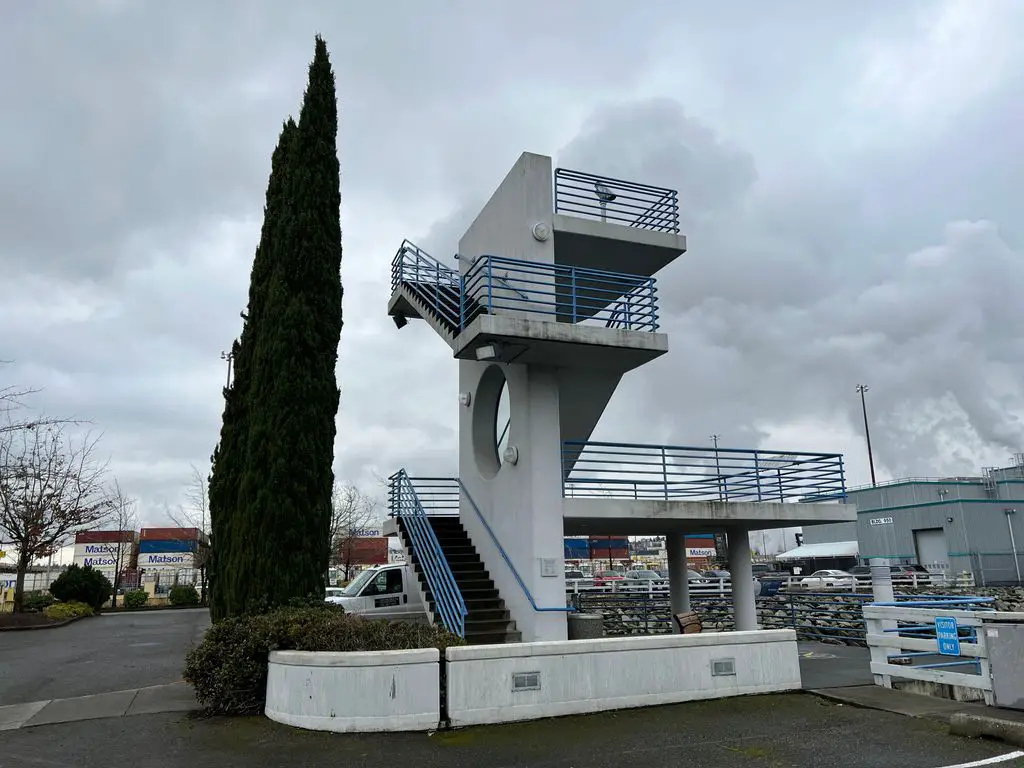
pixel 110 652
pixel 761 731
pixel 122 651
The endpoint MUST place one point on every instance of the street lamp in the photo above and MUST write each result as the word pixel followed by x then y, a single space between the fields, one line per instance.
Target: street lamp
pixel 228 356
pixel 862 388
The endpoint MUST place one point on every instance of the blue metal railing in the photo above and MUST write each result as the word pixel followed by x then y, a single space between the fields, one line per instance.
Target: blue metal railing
pixel 438 285
pixel 405 504
pixel 447 488
pixel 627 470
pixel 438 496
pixel 571 294
pixel 617 201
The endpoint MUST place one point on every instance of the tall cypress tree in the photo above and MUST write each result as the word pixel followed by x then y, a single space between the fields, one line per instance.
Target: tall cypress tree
pixel 285 498
pixel 228 525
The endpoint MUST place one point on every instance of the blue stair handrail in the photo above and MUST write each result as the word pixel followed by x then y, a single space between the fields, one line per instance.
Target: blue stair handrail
pixel 439 286
pixel 405 504
pixel 507 559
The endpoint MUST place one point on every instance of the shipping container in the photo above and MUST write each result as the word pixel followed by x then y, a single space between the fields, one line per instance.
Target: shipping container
pixel 147 546
pixel 364 551
pixel 166 534
pixel 103 537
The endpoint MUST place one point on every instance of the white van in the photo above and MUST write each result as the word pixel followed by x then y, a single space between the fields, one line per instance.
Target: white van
pixel 382 592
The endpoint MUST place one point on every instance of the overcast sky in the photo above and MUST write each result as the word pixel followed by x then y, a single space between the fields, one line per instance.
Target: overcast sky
pixel 849 176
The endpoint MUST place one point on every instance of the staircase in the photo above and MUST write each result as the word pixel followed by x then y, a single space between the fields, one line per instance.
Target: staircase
pixel 487 619
pixel 421 286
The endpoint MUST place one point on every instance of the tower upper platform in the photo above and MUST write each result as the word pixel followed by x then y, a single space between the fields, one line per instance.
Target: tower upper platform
pixel 575 219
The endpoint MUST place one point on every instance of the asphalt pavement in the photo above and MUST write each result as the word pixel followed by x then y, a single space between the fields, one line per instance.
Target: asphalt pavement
pixel 752 732
pixel 110 652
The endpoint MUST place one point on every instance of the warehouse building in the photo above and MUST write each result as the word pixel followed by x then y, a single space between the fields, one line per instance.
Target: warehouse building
pixel 966 524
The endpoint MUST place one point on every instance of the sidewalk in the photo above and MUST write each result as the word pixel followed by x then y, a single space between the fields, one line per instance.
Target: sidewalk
pixel 174 697
pixel 964 718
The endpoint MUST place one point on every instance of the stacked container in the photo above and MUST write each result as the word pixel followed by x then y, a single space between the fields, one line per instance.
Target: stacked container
pixel 169 548
pixel 106 550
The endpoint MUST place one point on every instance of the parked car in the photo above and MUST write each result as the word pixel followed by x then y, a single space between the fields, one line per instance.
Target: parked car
pixel 827 579
pixel 574 576
pixel 642 575
pixel 695 578
pixel 900 573
pixel 603 578
pixel 717 575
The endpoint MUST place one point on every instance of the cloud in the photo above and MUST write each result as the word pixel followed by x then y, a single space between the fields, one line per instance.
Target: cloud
pixel 845 175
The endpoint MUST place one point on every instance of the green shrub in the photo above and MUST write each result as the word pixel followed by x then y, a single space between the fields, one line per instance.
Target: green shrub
pixel 35 602
pixel 69 610
pixel 228 670
pixel 183 594
pixel 84 585
pixel 135 598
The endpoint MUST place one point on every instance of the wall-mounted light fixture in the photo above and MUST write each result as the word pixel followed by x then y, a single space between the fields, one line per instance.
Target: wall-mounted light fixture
pixel 465 399
pixel 488 351
pixel 541 231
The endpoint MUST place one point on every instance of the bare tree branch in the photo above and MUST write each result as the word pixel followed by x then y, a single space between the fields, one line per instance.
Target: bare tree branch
pixel 125 519
pixel 353 512
pixel 196 515
pixel 51 487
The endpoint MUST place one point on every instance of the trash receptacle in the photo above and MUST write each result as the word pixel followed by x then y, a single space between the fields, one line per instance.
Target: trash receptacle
pixel 584 626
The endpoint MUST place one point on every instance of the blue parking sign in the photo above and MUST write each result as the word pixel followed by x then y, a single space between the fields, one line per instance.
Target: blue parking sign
pixel 947 635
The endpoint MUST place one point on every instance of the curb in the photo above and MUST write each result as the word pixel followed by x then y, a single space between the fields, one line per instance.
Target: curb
pixel 976 726
pixel 54 625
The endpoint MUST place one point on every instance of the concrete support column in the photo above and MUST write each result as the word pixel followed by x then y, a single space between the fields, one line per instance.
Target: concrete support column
pixel 744 610
pixel 678 583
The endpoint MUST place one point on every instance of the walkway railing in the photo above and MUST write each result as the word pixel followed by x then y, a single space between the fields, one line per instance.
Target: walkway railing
pixel 436 284
pixel 903 635
pixel 405 504
pixel 617 201
pixel 635 471
pixel 571 294
pixel 507 559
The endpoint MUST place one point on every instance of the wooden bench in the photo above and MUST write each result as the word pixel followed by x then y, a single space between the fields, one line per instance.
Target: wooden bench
pixel 688 622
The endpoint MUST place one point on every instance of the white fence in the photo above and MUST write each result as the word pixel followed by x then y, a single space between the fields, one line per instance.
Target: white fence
pixel 722 587
pixel 905 643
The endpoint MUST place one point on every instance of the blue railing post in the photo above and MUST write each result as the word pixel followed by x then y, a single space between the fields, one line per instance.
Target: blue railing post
pixel 490 286
pixel 782 495
pixel 757 475
pixel 842 478
pixel 462 302
pixel 664 472
pixel 573 279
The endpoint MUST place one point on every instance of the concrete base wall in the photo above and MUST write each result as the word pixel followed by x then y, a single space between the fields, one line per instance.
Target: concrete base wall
pixel 583 676
pixel 355 692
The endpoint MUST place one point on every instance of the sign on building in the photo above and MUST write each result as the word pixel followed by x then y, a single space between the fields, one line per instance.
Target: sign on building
pixel 880 521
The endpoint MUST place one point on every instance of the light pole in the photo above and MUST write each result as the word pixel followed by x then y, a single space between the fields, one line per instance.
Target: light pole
pixel 229 356
pixel 862 388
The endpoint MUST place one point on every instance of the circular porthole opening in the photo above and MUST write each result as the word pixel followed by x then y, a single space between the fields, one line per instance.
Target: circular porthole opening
pixel 492 420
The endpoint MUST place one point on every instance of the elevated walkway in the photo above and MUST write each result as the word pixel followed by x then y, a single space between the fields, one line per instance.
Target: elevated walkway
pixel 636 489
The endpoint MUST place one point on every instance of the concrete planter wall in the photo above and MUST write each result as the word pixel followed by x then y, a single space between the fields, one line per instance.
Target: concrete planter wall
pixel 355 692
pixel 580 676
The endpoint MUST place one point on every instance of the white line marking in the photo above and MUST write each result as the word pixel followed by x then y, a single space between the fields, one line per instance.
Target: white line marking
pixel 989 760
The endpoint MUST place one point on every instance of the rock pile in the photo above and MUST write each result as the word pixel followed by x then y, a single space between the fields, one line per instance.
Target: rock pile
pixel 835 619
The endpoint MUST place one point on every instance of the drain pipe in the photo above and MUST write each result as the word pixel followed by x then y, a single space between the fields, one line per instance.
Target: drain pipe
pixel 1013 543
